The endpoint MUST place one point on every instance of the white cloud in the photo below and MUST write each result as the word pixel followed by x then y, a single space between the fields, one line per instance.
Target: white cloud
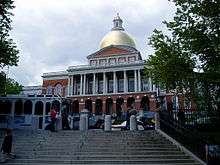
pixel 53 34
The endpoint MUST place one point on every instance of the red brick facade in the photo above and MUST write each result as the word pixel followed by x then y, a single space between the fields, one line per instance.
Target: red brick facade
pixel 181 102
pixel 137 103
pixel 53 83
pixel 110 51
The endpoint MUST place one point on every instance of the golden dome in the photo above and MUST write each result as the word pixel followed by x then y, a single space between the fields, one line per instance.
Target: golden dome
pixel 117 36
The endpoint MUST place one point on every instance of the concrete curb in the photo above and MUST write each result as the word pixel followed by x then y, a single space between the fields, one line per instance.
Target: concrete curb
pixel 180 146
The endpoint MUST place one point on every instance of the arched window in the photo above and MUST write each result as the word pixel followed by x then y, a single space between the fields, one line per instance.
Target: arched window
pixel 49 90
pixel 58 89
pixel 175 103
pixel 187 103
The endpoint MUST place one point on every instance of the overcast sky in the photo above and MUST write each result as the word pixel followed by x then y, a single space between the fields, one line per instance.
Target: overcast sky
pixel 54 34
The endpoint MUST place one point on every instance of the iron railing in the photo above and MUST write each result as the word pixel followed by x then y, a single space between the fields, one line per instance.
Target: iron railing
pixel 188 127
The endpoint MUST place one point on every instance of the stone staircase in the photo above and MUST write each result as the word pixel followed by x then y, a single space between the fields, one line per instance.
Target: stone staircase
pixel 95 147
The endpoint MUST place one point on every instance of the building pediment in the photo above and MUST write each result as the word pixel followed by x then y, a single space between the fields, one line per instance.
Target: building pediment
pixel 113 50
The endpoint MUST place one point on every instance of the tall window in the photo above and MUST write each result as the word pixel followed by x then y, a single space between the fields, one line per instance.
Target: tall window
pixel 175 102
pixel 90 85
pixel 187 103
pixel 120 85
pixel 49 90
pixel 145 84
pixel 110 86
pixel 131 85
pixel 100 86
pixel 58 89
pixel 78 88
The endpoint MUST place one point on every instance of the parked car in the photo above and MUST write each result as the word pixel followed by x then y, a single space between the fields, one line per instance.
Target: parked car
pixel 146 119
pixel 96 122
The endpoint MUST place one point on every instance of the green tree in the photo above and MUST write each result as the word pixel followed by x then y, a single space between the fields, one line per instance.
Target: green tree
pixel 12 87
pixel 188 58
pixel 8 50
pixel 9 85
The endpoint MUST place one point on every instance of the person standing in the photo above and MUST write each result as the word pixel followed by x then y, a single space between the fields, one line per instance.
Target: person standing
pixel 53 116
pixel 6 147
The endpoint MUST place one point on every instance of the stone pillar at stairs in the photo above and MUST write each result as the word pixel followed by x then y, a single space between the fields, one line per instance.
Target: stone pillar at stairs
pixel 133 123
pixel 108 123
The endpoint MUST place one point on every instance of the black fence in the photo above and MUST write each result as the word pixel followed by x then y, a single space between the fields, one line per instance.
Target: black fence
pixel 190 129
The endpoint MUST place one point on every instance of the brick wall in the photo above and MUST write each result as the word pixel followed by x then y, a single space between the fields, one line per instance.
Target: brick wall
pixel 53 83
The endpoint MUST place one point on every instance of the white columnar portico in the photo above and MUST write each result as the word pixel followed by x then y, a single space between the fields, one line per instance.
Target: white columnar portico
pixel 81 78
pixel 125 81
pixel 104 82
pixel 84 84
pixel 114 82
pixel 139 80
pixel 135 80
pixel 93 84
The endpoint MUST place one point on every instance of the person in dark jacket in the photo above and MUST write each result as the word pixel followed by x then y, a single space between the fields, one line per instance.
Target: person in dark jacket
pixel 53 116
pixel 65 122
pixel 6 147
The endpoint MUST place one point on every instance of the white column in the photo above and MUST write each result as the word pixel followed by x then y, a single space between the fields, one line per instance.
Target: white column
pixel 33 106
pixel 81 79
pixel 93 84
pixel 104 83
pixel 150 84
pixel 68 87
pixel 84 84
pixel 72 84
pixel 125 81
pixel 139 80
pixel 135 80
pixel 114 82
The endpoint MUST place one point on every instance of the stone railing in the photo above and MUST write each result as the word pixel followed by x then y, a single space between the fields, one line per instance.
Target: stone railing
pixel 84 67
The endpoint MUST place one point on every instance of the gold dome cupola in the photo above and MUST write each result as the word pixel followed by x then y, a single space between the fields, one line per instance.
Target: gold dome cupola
pixel 117 22
pixel 117 36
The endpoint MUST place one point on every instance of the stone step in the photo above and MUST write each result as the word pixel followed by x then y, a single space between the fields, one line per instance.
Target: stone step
pixel 99 149
pixel 107 161
pixel 105 157
pixel 130 149
pixel 64 152
pixel 35 163
pixel 96 147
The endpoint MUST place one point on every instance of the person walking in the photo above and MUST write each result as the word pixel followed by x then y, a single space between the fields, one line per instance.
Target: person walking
pixel 6 147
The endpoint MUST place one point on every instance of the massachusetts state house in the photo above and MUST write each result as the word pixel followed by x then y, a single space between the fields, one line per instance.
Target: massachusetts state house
pixel 112 80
